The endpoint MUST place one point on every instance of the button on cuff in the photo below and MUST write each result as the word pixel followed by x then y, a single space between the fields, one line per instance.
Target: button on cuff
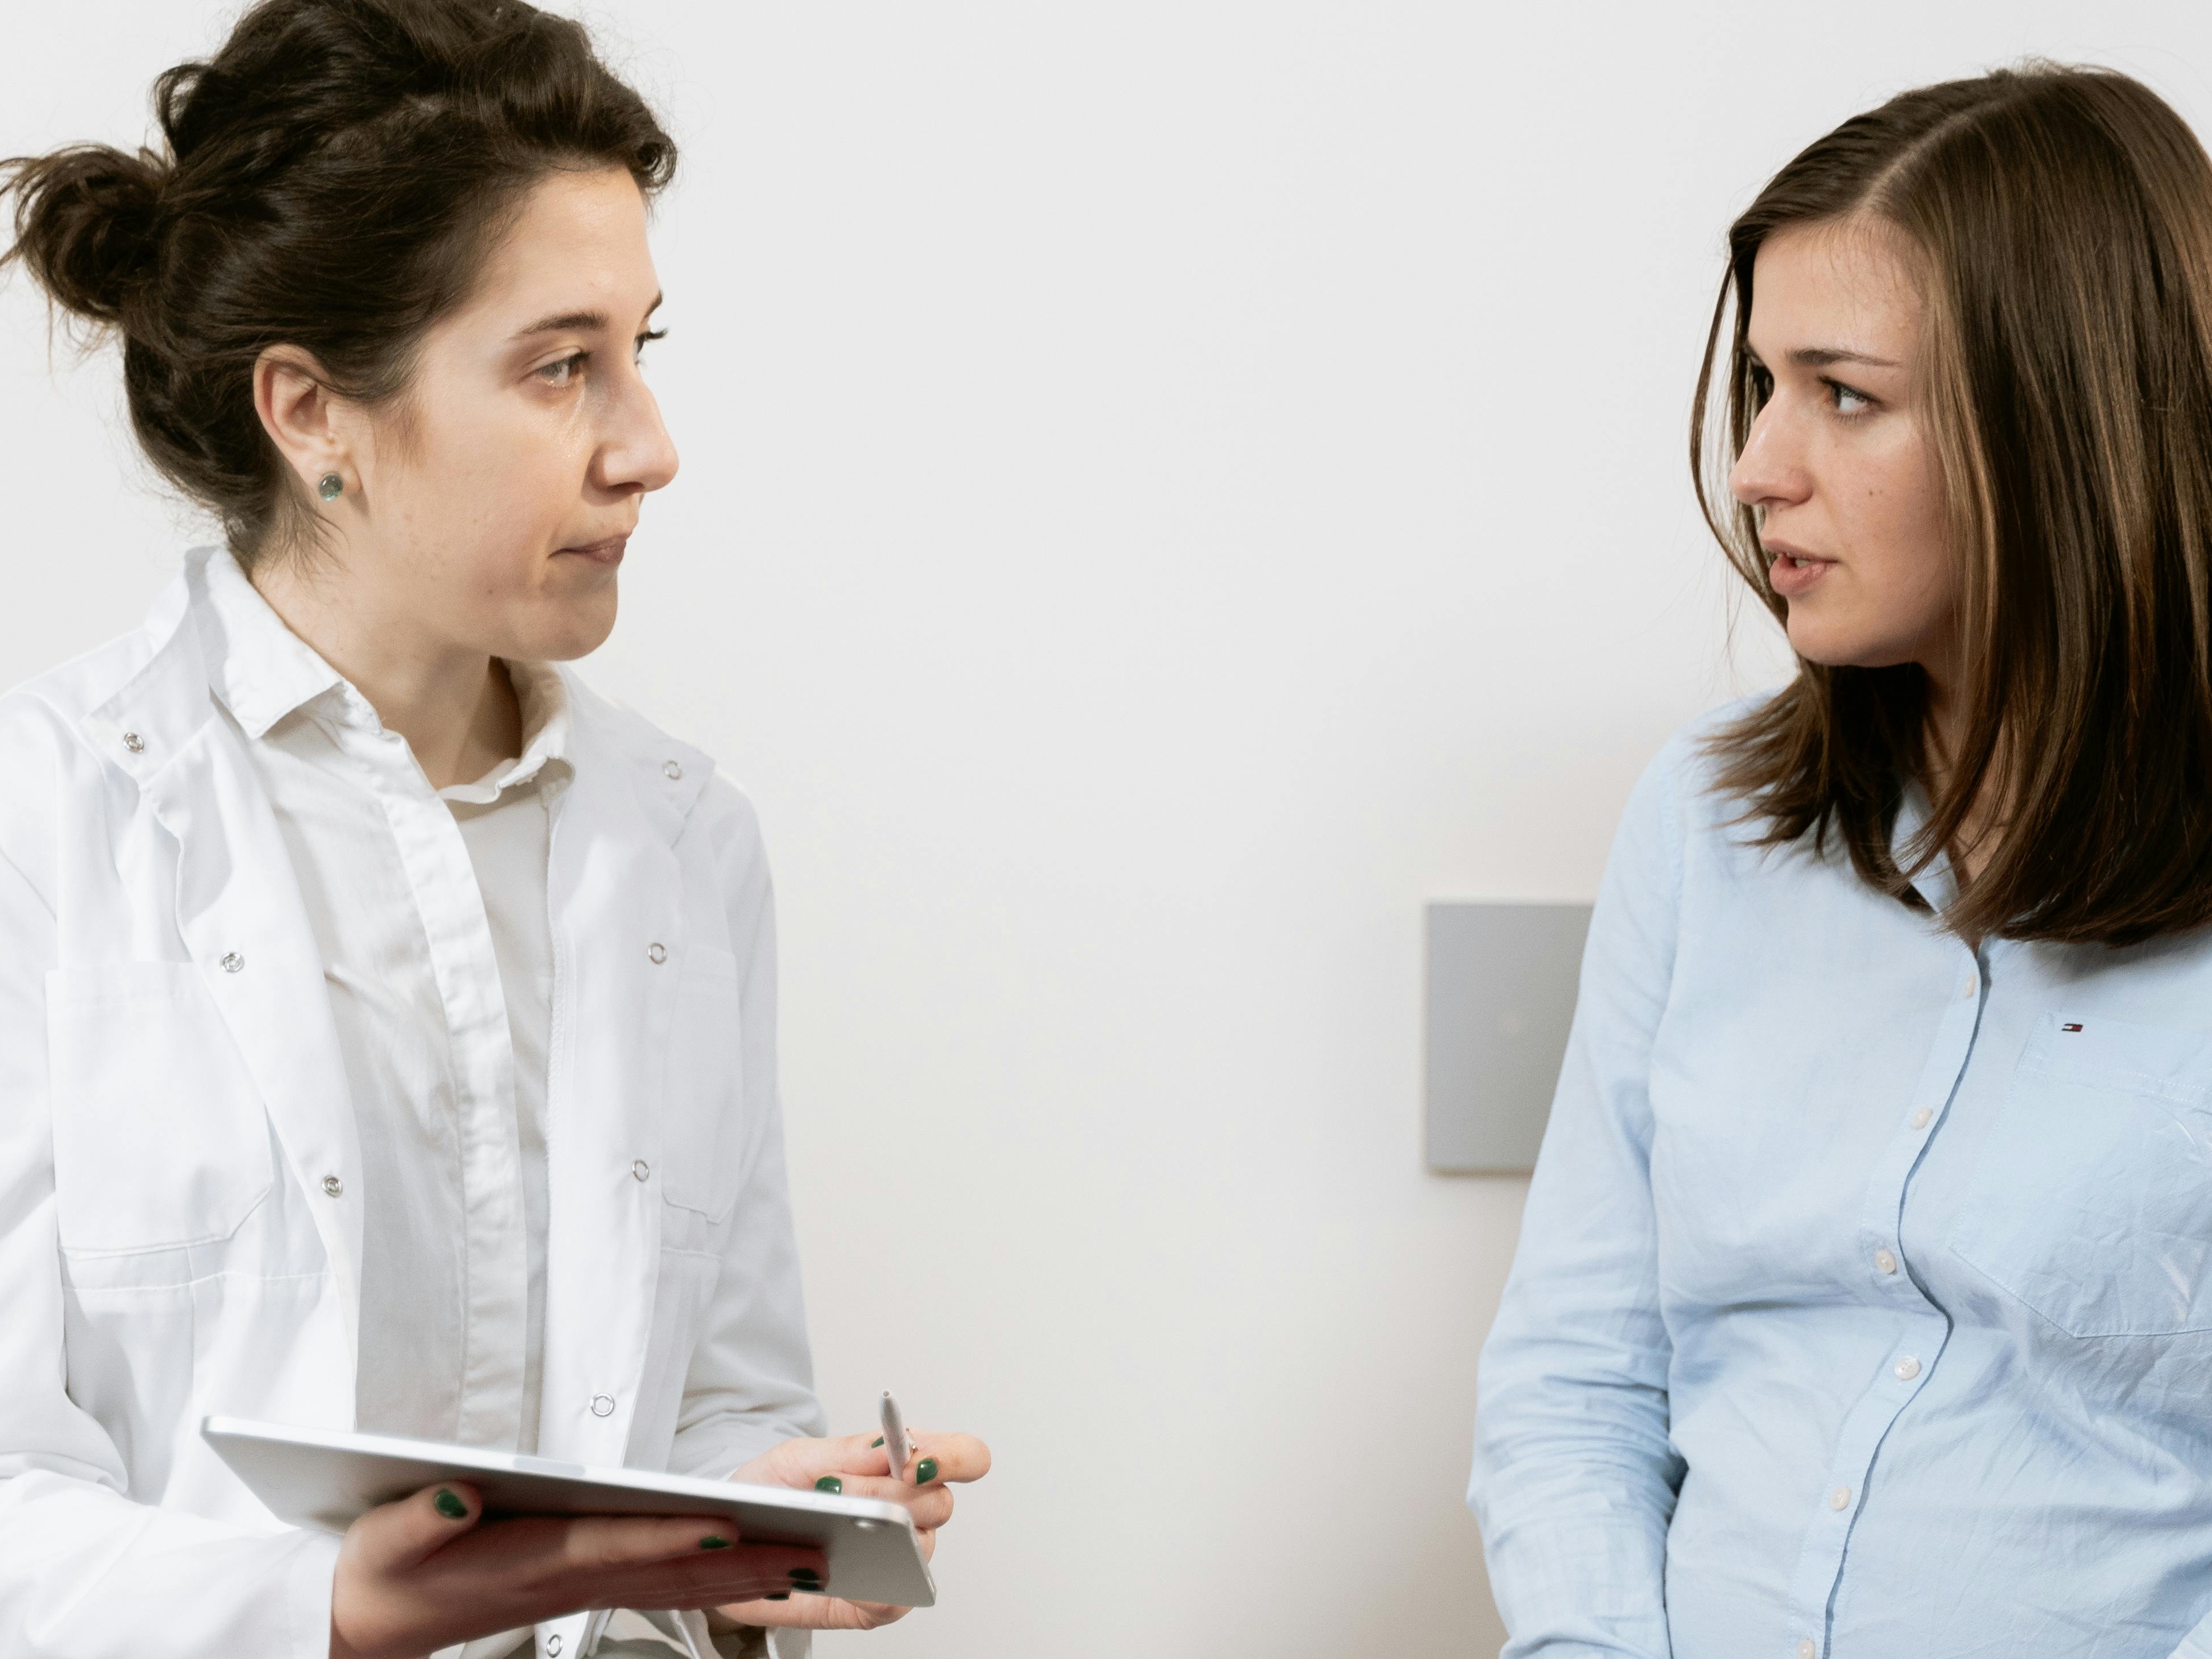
pixel 602 1405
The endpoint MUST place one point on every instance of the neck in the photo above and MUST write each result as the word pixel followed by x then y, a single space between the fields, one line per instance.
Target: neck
pixel 454 706
pixel 1946 717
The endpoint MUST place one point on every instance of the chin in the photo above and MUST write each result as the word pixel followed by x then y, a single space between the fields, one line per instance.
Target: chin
pixel 575 628
pixel 1833 647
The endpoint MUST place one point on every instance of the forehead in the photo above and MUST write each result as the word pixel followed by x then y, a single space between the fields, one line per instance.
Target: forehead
pixel 1852 286
pixel 577 243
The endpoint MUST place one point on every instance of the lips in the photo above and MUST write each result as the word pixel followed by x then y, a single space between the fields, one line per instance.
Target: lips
pixel 608 551
pixel 1793 573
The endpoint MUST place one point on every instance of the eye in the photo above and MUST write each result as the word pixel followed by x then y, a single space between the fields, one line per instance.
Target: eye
pixel 1762 384
pixel 564 372
pixel 645 338
pixel 1847 400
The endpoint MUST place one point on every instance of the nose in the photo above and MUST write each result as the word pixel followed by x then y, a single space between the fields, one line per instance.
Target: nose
pixel 1768 473
pixel 636 452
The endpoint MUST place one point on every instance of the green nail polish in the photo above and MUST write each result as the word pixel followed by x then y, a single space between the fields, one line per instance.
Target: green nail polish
pixel 803 1576
pixel 828 1482
pixel 924 1471
pixel 877 1442
pixel 711 1542
pixel 780 1595
pixel 449 1504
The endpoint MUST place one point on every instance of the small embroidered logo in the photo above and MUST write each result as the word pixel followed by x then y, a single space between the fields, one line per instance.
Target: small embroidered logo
pixel 2070 1028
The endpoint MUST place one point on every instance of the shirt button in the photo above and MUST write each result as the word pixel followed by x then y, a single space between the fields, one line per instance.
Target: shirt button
pixel 1907 1369
pixel 232 961
pixel 602 1405
pixel 1969 991
pixel 134 742
pixel 1807 1650
pixel 1920 1118
pixel 553 1645
pixel 334 1187
pixel 656 954
pixel 1840 1498
pixel 640 1168
pixel 1885 1261
pixel 671 771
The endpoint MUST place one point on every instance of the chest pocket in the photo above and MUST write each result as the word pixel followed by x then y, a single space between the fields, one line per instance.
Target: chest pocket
pixel 159 1138
pixel 702 1145
pixel 2093 1200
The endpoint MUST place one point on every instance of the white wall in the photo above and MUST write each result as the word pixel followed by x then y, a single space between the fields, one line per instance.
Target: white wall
pixel 1169 487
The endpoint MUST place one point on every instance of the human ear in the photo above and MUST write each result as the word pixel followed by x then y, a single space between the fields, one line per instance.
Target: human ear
pixel 303 417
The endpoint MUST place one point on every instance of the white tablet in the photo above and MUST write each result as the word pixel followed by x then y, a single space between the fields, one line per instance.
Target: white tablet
pixel 323 1479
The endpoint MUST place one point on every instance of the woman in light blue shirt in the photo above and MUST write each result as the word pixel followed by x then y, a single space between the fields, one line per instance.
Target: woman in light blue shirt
pixel 1863 1302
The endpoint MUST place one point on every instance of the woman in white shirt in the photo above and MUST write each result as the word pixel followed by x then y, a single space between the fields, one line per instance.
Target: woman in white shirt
pixel 387 1024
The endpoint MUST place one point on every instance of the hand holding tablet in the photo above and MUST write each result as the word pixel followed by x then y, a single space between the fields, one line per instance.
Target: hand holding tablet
pixel 863 1465
pixel 445 1542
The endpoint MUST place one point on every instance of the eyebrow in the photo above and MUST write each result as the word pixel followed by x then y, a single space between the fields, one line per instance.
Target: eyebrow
pixel 576 320
pixel 1825 356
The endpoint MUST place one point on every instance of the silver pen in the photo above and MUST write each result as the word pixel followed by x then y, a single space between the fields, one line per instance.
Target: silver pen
pixel 896 1444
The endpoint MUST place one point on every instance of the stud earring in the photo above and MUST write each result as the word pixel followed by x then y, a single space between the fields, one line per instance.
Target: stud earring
pixel 330 486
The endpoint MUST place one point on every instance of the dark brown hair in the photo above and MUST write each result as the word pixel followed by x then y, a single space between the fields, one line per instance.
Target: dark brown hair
pixel 2061 223
pixel 332 178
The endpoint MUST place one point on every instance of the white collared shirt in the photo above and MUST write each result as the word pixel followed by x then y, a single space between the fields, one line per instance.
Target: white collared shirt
pixel 191 1221
pixel 429 908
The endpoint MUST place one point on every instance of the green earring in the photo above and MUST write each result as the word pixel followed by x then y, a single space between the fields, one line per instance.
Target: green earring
pixel 330 486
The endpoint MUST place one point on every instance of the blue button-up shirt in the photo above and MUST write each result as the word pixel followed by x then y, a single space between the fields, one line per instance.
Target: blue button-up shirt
pixel 1863 1302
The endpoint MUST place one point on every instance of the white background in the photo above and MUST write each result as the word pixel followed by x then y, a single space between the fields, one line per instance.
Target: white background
pixel 1170 486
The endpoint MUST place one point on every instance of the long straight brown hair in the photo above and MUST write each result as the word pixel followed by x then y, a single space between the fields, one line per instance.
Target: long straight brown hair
pixel 2061 221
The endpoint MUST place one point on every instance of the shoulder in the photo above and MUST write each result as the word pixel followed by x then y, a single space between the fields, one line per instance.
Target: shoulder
pixel 55 774
pixel 675 777
pixel 1685 775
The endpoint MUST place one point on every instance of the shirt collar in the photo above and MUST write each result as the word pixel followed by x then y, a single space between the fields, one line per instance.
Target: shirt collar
pixel 1935 880
pixel 259 669
pixel 262 672
pixel 543 696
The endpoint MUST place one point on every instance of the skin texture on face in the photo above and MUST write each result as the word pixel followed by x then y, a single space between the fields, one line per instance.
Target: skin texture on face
pixel 1838 463
pixel 484 512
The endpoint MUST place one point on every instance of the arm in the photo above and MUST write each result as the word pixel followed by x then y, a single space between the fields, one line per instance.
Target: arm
pixel 751 1380
pixel 85 1573
pixel 1575 1477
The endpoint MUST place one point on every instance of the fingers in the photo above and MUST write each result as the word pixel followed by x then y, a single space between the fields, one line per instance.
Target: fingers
pixel 930 1505
pixel 947 1457
pixel 613 1544
pixel 812 1612
pixel 746 1572
pixel 933 1457
pixel 394 1537
pixel 802 1462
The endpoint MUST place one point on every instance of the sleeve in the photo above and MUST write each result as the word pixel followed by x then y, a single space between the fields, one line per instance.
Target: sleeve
pixel 751 1378
pixel 1575 1477
pixel 85 1573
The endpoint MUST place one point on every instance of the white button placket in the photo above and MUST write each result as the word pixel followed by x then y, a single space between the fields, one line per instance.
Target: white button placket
pixel 1889 1282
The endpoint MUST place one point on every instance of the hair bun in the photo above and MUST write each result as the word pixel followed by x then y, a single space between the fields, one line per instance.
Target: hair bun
pixel 87 225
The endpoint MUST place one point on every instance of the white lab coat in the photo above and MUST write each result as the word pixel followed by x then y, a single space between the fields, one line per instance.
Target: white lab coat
pixel 180 1218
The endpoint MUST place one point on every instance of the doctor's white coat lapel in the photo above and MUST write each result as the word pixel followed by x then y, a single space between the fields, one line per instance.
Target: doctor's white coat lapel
pixel 242 918
pixel 619 938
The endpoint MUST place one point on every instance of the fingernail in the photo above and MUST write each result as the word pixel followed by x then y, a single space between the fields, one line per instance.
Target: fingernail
pixel 828 1482
pixel 805 1576
pixel 449 1504
pixel 877 1442
pixel 924 1471
pixel 712 1542
pixel 780 1595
